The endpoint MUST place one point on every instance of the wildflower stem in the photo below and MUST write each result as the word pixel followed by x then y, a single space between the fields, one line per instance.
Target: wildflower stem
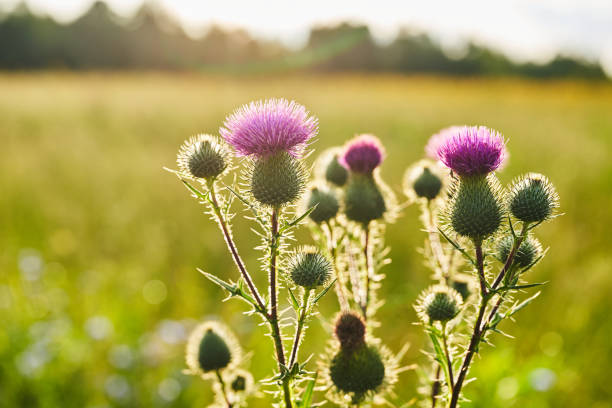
pixel 232 247
pixel 273 313
pixel 476 333
pixel 435 245
pixel 368 264
pixel 448 358
pixel 300 327
pixel 435 386
pixel 340 283
pixel 223 392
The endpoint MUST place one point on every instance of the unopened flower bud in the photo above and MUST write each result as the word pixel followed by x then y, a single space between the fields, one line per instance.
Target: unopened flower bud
pixel 357 371
pixel 309 268
pixel 462 286
pixel 533 198
pixel 439 304
pixel 427 184
pixel 277 180
pixel 327 205
pixel 363 200
pixel 526 254
pixel 335 173
pixel 211 347
pixel 203 156
pixel 241 381
pixel 350 331
pixel 475 208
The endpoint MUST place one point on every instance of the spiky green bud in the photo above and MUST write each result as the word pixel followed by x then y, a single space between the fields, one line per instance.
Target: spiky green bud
pixel 358 371
pixel 476 207
pixel 203 156
pixel 462 287
pixel 238 384
pixel 526 254
pixel 335 173
pixel 350 330
pixel 427 184
pixel 309 268
pixel 533 198
pixel 363 200
pixel 327 205
pixel 439 304
pixel 214 353
pixel 277 180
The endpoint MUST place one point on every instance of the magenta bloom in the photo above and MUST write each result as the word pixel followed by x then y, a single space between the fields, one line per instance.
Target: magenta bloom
pixel 267 127
pixel 472 151
pixel 362 154
pixel 431 149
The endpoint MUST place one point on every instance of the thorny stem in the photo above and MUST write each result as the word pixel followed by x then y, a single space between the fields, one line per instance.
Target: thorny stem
pixel 273 313
pixel 448 358
pixel 365 300
pixel 436 246
pixel 340 283
pixel 300 327
pixel 435 386
pixel 475 339
pixel 232 247
pixel 223 392
pixel 485 296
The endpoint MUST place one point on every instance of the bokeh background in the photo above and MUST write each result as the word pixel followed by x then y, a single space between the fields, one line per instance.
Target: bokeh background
pixel 99 245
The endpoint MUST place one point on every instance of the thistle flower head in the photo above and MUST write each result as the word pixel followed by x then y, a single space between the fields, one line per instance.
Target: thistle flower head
pixel 362 154
pixel 326 203
pixel 472 151
pixel 439 304
pixel 264 128
pixel 211 347
pixel 527 252
pixel 203 156
pixel 350 330
pixel 436 140
pixel 533 198
pixel 309 268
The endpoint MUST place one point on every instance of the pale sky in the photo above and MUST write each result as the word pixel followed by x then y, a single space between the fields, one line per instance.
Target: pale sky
pixel 531 30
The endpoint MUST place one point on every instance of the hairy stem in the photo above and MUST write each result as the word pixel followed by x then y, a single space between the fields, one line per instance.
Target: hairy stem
pixel 476 333
pixel 340 282
pixel 273 313
pixel 435 245
pixel 368 265
pixel 435 386
pixel 223 392
pixel 232 248
pixel 300 327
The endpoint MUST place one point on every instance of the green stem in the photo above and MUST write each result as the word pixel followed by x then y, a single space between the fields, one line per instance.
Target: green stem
pixel 435 386
pixel 232 247
pixel 366 254
pixel 436 246
pixel 273 313
pixel 448 358
pixel 340 282
pixel 222 384
pixel 300 327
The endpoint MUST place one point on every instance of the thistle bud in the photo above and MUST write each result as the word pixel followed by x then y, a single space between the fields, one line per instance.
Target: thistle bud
pixel 241 381
pixel 526 254
pixel 462 286
pixel 277 180
pixel 309 268
pixel 358 371
pixel 335 173
pixel 475 209
pixel 203 156
pixel 533 198
pixel 211 347
pixel 350 331
pixel 327 205
pixel 439 304
pixel 363 200
pixel 427 185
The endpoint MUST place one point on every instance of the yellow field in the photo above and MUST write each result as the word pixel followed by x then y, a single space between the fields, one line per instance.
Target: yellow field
pixel 88 219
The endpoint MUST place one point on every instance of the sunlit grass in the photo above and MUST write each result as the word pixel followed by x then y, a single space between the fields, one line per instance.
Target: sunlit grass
pixel 99 245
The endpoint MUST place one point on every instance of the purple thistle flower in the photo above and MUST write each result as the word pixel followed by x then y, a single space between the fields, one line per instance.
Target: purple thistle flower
pixel 264 128
pixel 362 154
pixel 472 151
pixel 431 149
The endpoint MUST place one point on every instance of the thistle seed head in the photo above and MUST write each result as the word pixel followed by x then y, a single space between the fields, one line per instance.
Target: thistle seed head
pixel 277 180
pixel 309 269
pixel 350 330
pixel 203 156
pixel 533 198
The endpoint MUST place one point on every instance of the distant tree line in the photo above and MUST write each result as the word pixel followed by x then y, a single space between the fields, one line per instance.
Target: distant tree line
pixel 99 39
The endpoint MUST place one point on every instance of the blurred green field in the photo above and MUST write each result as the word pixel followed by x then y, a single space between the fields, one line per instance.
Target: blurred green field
pixel 99 245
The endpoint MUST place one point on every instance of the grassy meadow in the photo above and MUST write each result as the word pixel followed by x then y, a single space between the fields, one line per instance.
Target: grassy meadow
pixel 99 245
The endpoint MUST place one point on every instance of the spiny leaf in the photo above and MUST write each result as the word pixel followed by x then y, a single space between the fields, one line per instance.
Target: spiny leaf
pixel 323 292
pixel 523 304
pixel 308 392
pixel 457 247
pixel 440 356
pixel 294 302
pixel 297 220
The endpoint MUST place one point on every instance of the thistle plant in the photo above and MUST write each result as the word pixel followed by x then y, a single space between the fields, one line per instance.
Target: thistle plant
pixel 479 246
pixel 475 220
